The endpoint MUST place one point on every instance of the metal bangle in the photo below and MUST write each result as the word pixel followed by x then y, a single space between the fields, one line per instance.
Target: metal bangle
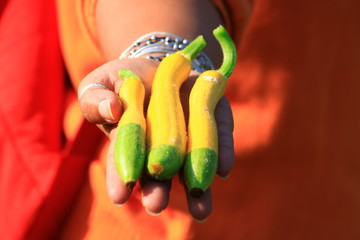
pixel 158 45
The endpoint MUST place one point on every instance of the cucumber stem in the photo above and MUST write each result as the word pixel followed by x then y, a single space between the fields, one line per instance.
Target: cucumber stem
pixel 126 74
pixel 229 51
pixel 192 50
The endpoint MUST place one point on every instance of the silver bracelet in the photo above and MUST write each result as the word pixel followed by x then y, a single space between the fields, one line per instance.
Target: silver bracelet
pixel 158 45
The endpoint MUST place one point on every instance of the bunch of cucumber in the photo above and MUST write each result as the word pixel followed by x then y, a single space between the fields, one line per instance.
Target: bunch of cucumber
pixel 171 146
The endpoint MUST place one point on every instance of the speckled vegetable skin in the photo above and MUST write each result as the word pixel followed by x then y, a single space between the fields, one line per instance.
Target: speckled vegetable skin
pixel 166 129
pixel 202 151
pixel 130 140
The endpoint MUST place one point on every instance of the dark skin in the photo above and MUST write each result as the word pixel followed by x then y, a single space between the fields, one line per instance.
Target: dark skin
pixel 155 194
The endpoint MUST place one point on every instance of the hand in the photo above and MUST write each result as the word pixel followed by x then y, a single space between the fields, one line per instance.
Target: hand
pixel 102 107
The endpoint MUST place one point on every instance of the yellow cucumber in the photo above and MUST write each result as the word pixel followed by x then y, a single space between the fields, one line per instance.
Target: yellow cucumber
pixel 202 150
pixel 130 140
pixel 166 129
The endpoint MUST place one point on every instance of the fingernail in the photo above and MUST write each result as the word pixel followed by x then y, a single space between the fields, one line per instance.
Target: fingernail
pixel 225 177
pixel 200 221
pixel 152 213
pixel 105 110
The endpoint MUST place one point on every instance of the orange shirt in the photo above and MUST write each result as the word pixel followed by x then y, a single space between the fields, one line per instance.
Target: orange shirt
pixel 294 96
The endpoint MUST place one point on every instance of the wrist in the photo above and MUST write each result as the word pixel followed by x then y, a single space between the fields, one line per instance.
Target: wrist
pixel 158 45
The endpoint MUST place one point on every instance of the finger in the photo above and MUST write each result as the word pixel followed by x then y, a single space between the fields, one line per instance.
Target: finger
pixel 225 126
pixel 200 208
pixel 117 190
pixel 100 105
pixel 185 93
pixel 155 195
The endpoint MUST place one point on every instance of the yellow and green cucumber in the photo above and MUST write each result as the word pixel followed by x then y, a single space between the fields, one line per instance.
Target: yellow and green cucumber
pixel 130 140
pixel 166 128
pixel 202 151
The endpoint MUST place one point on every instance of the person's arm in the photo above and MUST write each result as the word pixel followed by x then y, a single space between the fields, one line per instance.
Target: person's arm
pixel 119 24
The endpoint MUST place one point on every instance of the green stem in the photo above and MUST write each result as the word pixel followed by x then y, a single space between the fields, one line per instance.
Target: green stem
pixel 192 50
pixel 229 51
pixel 126 74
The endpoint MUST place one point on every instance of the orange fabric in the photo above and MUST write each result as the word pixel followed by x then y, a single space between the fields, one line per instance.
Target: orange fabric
pixel 80 50
pixel 294 95
pixel 40 170
pixel 31 95
pixel 95 217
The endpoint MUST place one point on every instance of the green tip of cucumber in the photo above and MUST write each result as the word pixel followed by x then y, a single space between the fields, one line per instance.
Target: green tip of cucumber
pixel 228 49
pixel 196 192
pixel 130 185
pixel 126 74
pixel 156 168
pixel 192 50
